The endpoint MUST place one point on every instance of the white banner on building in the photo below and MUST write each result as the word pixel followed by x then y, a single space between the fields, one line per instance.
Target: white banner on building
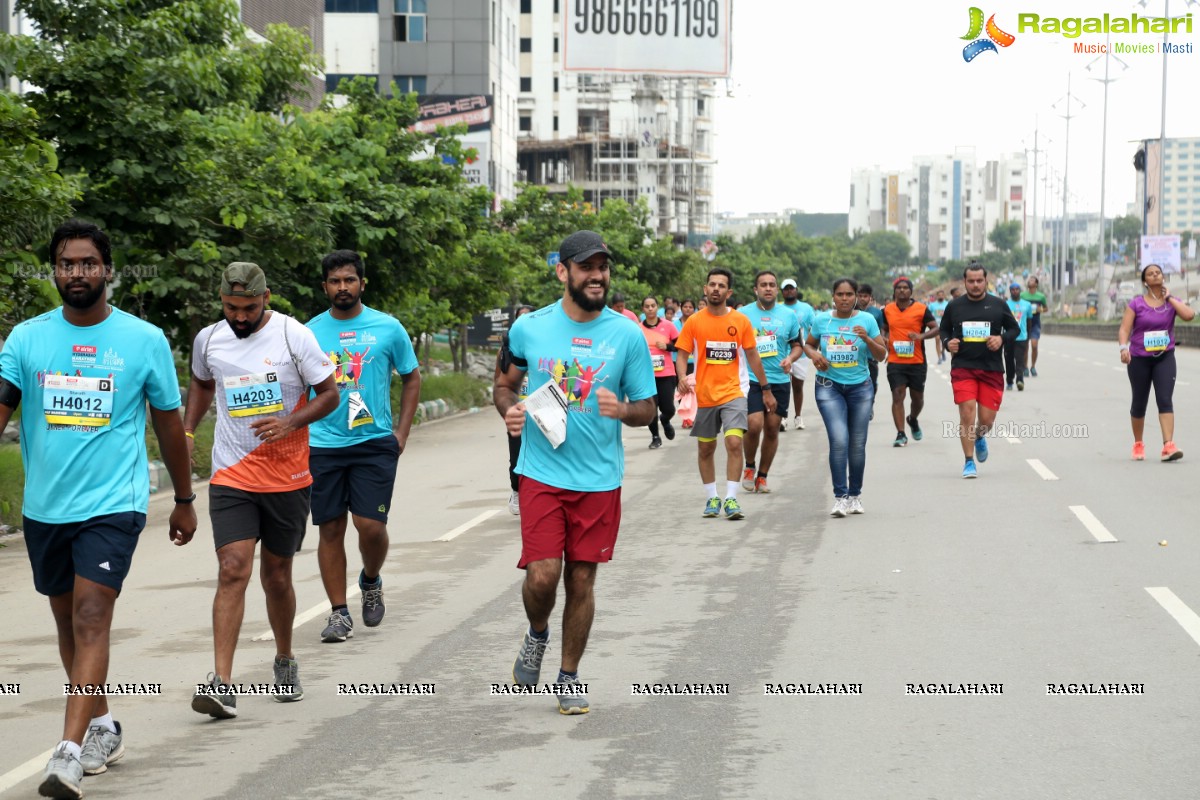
pixel 1164 251
pixel 662 37
pixel 476 171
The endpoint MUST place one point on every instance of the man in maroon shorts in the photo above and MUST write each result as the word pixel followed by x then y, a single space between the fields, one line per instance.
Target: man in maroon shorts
pixel 570 491
pixel 974 328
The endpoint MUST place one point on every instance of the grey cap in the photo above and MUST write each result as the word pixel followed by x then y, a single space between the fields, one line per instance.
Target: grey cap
pixel 582 245
pixel 246 274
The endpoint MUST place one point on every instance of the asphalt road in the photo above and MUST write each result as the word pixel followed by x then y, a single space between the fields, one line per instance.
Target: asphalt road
pixel 997 581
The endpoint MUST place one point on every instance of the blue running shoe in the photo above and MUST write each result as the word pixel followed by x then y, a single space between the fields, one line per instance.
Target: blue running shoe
pixel 969 470
pixel 733 509
pixel 916 429
pixel 713 507
pixel 981 451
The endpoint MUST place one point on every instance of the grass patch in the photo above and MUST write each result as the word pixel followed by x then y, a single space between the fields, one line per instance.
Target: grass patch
pixel 12 484
pixel 457 388
pixel 202 454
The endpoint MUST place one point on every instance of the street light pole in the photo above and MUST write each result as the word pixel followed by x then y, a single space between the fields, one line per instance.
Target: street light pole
pixel 1106 80
pixel 1060 272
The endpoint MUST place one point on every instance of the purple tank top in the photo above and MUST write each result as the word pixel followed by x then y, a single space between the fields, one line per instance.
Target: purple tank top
pixel 1153 328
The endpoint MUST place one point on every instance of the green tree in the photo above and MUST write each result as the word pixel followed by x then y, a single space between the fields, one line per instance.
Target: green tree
pixel 1006 236
pixel 889 247
pixel 1127 231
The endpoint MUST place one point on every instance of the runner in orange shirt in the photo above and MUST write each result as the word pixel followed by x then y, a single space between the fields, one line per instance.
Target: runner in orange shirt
pixel 906 326
pixel 720 338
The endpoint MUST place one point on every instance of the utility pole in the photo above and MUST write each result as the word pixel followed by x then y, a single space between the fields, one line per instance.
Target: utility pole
pixel 1060 275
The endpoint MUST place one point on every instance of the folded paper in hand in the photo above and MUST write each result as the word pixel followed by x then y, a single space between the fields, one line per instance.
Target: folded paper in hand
pixel 548 407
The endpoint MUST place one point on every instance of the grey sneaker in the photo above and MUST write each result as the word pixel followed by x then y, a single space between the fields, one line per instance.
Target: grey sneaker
pixel 62 777
pixel 339 628
pixel 570 702
pixel 372 601
pixel 287 680
pixel 216 699
pixel 514 504
pixel 855 506
pixel 101 747
pixel 528 666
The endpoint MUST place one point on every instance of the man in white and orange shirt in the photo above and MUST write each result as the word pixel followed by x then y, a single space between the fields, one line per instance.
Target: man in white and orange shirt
pixel 260 365
pixel 660 336
pixel 721 339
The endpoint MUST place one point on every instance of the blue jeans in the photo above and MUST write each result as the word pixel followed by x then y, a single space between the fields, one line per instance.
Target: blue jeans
pixel 846 410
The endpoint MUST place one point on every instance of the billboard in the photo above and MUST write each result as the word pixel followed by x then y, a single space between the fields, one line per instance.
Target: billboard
pixel 1164 251
pixel 476 169
pixel 660 37
pixel 445 110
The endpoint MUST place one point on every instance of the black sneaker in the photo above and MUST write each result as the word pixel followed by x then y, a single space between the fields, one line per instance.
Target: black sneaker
pixel 372 601
pixel 655 443
pixel 916 428
pixel 215 698
pixel 668 430
pixel 339 628
pixel 901 440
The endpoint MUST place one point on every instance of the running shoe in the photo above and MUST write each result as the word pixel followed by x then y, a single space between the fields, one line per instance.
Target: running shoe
pixel 748 479
pixel 969 470
pixel 1025 372
pixel 62 776
pixel 733 509
pixel 760 486
pixel 783 425
pixel 1033 371
pixel 916 428
pixel 217 699
pixel 668 430
pixel 799 423
pixel 101 747
pixel 287 680
pixel 1139 451
pixel 514 504
pixel 901 440
pixel 1020 385
pixel 528 666
pixel 713 507
pixel 1171 453
pixel 1008 387
pixel 569 702
pixel 855 505
pixel 655 443
pixel 981 450
pixel 338 628
pixel 840 506
pixel 372 601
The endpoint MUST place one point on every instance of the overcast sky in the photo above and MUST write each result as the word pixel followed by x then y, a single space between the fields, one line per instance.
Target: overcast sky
pixel 820 88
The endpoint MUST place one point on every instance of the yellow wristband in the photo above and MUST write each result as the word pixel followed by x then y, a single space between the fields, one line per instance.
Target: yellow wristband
pixel 189 434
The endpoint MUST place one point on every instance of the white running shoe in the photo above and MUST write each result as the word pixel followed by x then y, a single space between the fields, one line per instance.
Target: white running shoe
pixel 855 506
pixel 840 507
pixel 514 504
pixel 799 424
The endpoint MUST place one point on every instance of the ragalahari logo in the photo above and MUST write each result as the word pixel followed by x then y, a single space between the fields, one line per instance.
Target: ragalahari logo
pixel 995 36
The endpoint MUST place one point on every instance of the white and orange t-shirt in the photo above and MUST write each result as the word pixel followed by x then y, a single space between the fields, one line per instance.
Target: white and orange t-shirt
pixel 259 377
pixel 717 343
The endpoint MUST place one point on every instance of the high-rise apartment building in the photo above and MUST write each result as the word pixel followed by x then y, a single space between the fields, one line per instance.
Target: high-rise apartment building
pixel 455 55
pixel 1181 185
pixel 614 136
pixel 946 205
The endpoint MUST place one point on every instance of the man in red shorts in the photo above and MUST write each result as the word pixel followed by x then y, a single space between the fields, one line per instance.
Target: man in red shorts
pixel 974 328
pixel 570 491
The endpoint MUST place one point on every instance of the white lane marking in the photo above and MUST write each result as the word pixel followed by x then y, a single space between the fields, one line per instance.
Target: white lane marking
pixel 1183 383
pixel 466 526
pixel 1166 598
pixel 1040 469
pixel 1119 369
pixel 1100 364
pixel 1095 527
pixel 320 609
pixel 27 770
pixel 1012 440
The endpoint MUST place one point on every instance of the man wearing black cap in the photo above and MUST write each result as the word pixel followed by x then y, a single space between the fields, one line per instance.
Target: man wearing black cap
pixel 260 364
pixel 597 367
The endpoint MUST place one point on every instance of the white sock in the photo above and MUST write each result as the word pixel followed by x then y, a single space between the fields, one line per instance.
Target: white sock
pixel 711 489
pixel 72 748
pixel 731 488
pixel 106 721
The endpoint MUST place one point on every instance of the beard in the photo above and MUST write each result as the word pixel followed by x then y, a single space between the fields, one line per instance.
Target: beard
pixel 577 293
pixel 81 297
pixel 344 301
pixel 242 330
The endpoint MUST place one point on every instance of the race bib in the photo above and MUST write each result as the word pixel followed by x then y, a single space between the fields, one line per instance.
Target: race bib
pixel 252 395
pixel 904 349
pixel 1155 341
pixel 658 362
pixel 976 331
pixel 720 352
pixel 841 356
pixel 766 345
pixel 71 400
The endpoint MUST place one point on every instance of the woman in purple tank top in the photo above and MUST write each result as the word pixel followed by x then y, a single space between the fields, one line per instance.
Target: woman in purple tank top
pixel 1147 339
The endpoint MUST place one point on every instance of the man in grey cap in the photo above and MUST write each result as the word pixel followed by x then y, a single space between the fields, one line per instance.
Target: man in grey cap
pixel 260 365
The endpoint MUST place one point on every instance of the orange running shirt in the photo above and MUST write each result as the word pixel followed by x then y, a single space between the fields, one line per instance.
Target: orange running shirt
pixel 901 350
pixel 717 343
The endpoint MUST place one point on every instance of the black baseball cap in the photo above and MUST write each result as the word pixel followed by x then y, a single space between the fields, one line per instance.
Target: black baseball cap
pixel 582 245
